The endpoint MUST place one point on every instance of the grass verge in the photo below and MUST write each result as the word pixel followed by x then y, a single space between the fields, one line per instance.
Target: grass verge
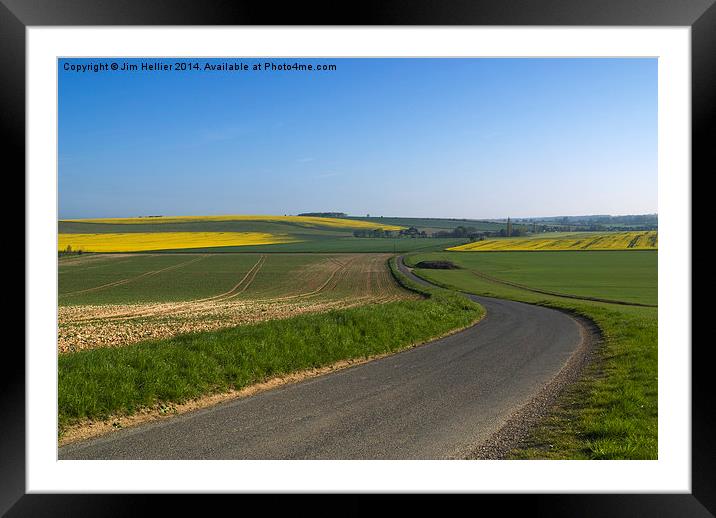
pixel 101 383
pixel 611 413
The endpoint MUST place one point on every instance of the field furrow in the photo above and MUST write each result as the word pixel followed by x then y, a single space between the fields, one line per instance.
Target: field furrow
pixel 272 287
pixel 242 285
pixel 132 279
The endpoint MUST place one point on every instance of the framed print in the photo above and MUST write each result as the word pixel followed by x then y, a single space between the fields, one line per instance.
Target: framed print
pixel 412 251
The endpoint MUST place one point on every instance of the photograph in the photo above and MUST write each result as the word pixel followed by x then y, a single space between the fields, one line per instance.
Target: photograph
pixel 357 258
pixel 417 249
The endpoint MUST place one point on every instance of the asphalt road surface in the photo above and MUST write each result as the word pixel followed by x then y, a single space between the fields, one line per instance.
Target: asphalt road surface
pixel 436 401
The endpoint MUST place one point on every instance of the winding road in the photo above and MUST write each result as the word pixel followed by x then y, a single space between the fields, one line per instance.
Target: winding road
pixel 439 400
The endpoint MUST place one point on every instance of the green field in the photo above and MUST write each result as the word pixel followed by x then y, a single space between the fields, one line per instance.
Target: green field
pixel 628 276
pixel 102 279
pixel 611 413
pixel 178 277
pixel 116 300
pixel 129 278
pixel 342 245
pixel 80 227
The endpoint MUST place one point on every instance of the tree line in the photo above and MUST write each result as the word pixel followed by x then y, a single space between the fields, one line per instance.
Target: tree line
pixel 458 232
pixel 381 233
pixel 477 235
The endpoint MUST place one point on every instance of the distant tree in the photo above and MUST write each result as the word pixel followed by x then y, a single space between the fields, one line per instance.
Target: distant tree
pixel 325 214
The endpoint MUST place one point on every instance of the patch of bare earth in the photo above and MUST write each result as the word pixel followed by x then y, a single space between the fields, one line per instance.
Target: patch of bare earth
pixel 339 283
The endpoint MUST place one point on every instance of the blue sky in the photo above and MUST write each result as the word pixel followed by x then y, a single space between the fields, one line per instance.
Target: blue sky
pixel 461 138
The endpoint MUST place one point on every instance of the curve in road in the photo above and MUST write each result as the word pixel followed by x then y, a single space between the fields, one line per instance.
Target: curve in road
pixel 439 400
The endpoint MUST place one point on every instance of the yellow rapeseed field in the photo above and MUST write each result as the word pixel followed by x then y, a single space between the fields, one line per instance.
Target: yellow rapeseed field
pixel 145 241
pixel 589 241
pixel 306 221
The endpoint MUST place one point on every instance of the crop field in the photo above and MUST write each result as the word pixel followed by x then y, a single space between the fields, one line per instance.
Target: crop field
pixel 313 244
pixel 289 234
pixel 647 240
pixel 120 299
pixel 279 228
pixel 148 241
pixel 611 413
pixel 302 221
pixel 622 276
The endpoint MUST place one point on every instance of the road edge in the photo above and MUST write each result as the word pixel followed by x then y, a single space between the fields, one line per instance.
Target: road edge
pixel 522 422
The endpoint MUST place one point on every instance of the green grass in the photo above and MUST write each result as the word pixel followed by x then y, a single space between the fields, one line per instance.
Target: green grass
pixel 98 383
pixel 628 276
pixel 611 413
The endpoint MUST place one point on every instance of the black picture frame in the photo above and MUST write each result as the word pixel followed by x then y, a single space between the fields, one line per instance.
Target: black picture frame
pixel 700 15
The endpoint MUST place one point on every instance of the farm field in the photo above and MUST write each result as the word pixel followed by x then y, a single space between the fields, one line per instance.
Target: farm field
pixel 236 234
pixel 344 245
pixel 302 221
pixel 626 276
pixel 116 300
pixel 646 240
pixel 149 241
pixel 611 413
pixel 269 227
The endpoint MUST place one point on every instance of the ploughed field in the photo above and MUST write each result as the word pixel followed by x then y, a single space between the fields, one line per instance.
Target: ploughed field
pixel 110 300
